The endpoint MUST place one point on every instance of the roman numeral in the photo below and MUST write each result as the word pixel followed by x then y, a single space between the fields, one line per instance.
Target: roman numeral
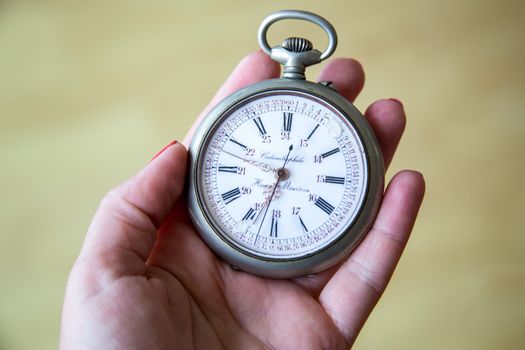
pixel 228 169
pixel 308 138
pixel 259 125
pixel 329 153
pixel 324 205
pixel 287 121
pixel 334 180
pixel 273 230
pixel 303 225
pixel 231 195
pixel 250 214
pixel 238 143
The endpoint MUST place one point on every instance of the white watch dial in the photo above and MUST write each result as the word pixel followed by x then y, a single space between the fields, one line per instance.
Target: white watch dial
pixel 283 175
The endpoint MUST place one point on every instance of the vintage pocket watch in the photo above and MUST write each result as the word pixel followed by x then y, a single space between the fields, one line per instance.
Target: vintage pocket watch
pixel 285 176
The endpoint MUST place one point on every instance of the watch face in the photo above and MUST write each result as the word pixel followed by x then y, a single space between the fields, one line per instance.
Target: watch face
pixel 282 175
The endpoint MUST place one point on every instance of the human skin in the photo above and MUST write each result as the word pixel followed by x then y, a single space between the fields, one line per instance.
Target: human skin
pixel 144 279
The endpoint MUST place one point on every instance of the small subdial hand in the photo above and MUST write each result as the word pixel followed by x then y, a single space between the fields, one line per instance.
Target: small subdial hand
pixel 263 166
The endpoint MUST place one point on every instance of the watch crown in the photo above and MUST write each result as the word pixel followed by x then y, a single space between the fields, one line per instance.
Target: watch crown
pixel 295 44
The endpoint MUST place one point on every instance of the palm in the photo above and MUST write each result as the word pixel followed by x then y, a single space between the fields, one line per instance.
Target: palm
pixel 223 301
pixel 145 280
pixel 189 298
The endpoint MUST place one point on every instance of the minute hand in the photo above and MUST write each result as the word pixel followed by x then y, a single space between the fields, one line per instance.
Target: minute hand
pixel 262 166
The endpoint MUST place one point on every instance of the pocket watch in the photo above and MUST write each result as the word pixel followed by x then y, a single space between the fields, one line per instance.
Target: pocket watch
pixel 285 176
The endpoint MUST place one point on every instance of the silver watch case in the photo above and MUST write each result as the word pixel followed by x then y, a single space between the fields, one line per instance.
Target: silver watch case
pixel 313 262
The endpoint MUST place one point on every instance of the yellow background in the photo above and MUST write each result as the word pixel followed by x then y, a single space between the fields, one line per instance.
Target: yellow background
pixel 91 90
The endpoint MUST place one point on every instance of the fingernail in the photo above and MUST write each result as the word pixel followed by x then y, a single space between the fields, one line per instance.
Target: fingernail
pixel 165 148
pixel 396 100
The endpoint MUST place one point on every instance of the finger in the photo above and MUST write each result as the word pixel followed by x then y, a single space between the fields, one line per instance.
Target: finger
pixel 180 250
pixel 253 68
pixel 347 76
pixel 387 119
pixel 124 228
pixel 353 291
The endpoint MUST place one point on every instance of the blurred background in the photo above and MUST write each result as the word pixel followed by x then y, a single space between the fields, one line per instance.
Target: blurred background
pixel 90 91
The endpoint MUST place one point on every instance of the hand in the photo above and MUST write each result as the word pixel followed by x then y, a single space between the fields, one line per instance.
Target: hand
pixel 145 280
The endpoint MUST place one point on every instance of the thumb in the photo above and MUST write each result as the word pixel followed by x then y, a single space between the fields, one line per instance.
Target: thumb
pixel 124 228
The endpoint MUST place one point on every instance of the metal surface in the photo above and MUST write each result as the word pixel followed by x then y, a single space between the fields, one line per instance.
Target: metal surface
pixel 301 15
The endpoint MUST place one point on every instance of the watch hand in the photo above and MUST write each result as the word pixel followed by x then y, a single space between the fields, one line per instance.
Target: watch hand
pixel 280 174
pixel 262 166
pixel 288 155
